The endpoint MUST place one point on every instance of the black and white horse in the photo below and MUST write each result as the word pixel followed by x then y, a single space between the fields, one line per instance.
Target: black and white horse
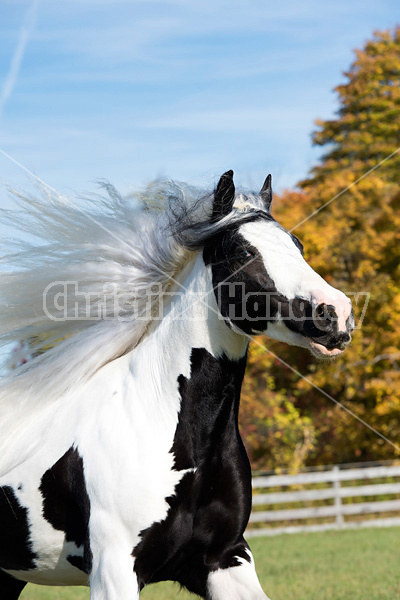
pixel 121 461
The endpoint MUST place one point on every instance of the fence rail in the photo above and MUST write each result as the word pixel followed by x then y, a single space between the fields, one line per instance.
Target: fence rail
pixel 325 508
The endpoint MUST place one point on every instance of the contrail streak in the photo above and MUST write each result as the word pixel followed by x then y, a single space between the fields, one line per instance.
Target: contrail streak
pixel 12 75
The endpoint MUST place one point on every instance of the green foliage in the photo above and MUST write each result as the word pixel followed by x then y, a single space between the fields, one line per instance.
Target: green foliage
pixel 354 243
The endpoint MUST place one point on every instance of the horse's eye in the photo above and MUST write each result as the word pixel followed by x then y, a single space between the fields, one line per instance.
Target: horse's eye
pixel 244 254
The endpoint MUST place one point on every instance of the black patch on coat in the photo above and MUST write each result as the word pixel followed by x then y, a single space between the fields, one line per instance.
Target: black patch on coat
pixel 66 504
pixel 16 551
pixel 208 514
pixel 10 588
pixel 77 561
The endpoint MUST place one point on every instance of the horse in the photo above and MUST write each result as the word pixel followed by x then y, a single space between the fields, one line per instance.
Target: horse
pixel 121 459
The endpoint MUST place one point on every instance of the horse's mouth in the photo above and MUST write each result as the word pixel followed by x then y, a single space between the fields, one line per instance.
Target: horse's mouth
pixel 320 351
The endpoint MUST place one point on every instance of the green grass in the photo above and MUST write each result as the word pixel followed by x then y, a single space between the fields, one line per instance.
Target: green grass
pixel 336 565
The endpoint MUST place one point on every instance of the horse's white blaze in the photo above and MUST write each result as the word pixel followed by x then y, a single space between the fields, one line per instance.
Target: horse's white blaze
pixel 292 276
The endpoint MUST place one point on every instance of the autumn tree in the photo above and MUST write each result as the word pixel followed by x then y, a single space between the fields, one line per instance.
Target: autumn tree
pixel 367 129
pixel 352 240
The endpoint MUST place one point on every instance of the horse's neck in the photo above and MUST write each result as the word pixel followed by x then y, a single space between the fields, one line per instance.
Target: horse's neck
pixel 192 365
pixel 208 418
pixel 191 320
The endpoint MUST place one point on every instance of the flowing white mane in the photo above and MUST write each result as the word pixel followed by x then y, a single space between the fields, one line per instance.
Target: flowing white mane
pixel 62 284
pixel 58 289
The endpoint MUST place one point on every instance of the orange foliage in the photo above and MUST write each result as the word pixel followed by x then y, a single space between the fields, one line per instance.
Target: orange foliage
pixel 354 243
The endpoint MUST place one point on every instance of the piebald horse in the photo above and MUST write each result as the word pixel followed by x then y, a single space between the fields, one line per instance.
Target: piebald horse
pixel 121 461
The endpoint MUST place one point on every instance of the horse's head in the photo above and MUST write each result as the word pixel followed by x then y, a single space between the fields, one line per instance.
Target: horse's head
pixel 262 282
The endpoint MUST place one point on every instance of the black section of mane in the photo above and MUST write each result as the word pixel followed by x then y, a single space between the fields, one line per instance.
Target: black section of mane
pixel 196 236
pixel 298 243
pixel 224 197
pixel 266 193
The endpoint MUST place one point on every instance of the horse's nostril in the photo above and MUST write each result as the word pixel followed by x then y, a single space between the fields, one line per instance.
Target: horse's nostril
pixel 325 311
pixel 324 316
pixel 331 312
pixel 344 340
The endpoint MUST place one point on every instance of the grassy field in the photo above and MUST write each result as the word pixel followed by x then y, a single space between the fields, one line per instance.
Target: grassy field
pixel 336 565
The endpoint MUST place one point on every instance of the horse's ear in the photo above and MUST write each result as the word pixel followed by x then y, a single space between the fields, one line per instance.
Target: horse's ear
pixel 224 197
pixel 266 193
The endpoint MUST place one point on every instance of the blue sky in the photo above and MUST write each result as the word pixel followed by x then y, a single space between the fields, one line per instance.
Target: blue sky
pixel 131 90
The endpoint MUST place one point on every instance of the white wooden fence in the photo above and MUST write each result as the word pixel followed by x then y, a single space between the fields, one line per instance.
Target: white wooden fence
pixel 341 495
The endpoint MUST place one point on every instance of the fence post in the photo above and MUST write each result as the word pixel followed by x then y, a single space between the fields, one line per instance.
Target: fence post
pixel 338 499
